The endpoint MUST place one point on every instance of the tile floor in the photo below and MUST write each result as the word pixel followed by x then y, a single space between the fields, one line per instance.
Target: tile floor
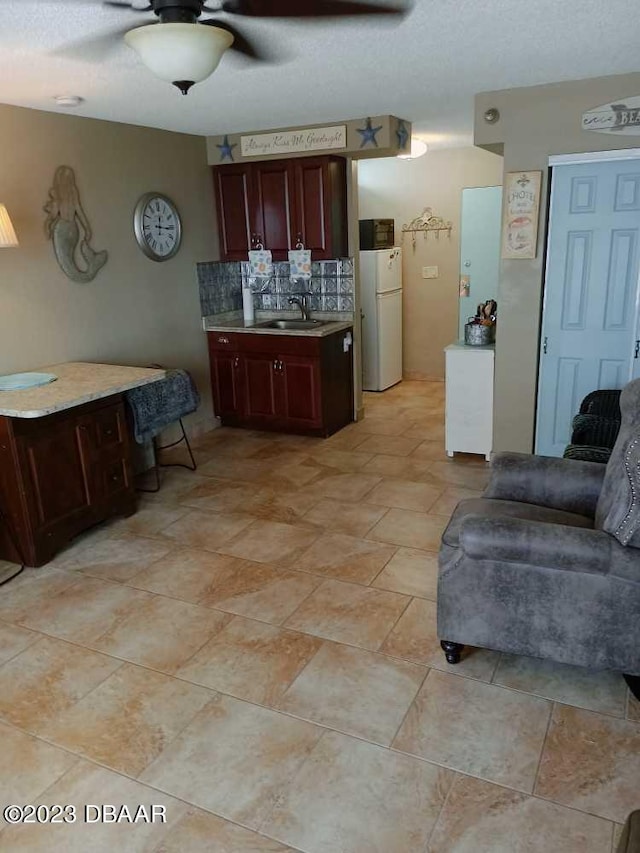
pixel 256 651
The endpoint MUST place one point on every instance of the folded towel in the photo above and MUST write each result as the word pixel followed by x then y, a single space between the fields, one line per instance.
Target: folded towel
pixel 155 406
pixel 300 261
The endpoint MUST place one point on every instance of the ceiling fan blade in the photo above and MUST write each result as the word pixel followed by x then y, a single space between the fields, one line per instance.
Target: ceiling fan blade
pixel 309 9
pixel 127 4
pixel 241 43
pixel 94 48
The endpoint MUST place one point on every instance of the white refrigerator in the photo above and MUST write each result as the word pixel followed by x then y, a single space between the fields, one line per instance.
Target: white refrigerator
pixel 381 288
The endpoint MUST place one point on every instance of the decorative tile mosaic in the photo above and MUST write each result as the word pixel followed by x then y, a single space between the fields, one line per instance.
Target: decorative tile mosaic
pixel 330 286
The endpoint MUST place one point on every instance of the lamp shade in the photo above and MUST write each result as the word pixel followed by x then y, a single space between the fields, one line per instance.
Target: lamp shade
pixel 8 237
pixel 418 148
pixel 180 52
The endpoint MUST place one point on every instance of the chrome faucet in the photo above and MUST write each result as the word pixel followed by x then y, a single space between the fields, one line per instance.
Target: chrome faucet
pixel 300 299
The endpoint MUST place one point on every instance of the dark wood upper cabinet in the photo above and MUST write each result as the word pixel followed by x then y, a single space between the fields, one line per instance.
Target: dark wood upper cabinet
pixel 234 198
pixel 281 203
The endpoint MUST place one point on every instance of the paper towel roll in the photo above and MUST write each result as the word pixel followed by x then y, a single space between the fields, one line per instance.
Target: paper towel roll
pixel 247 306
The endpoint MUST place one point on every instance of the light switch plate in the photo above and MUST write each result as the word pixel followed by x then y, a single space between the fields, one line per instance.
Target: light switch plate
pixel 429 272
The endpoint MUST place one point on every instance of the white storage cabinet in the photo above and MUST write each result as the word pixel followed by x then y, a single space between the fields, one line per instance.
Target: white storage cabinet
pixel 469 399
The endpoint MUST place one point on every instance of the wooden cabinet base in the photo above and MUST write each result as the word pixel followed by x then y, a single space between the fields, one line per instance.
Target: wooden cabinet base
pixel 60 475
pixel 293 384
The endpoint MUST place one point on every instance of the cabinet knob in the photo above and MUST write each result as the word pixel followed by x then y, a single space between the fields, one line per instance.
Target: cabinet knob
pixel 236 362
pixel 115 478
pixel 223 340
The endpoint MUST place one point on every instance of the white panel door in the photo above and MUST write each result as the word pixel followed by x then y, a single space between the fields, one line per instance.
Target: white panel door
pixel 589 327
pixel 389 339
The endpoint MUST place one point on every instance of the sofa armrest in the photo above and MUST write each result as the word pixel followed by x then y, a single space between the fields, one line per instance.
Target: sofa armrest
pixel 564 484
pixel 538 543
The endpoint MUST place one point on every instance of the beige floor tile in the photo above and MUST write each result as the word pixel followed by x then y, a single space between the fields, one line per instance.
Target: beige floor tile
pixel 129 719
pixel 345 558
pixel 402 468
pixel 477 728
pixel 87 784
pixel 410 529
pixel 349 438
pixel 357 692
pixel 286 506
pixel 404 494
pixel 218 496
pixel 479 817
pixel 187 574
pixel 174 483
pixel 149 520
pixel 633 708
pixel 357 797
pixel 234 759
pixel 460 474
pixel 410 572
pixel 202 832
pixel 270 542
pixel 356 615
pixel 415 638
pixel 343 487
pixel 47 678
pixel 85 611
pixel 31 589
pixel 162 634
pixel 207 530
pixel 14 640
pixel 349 518
pixel 592 763
pixel 431 450
pixel 259 592
pixel 605 692
pixel 250 660
pixel 393 445
pixel 340 460
pixel 429 427
pixel 381 425
pixel 116 558
pixel 451 497
pixel 239 470
pixel 27 767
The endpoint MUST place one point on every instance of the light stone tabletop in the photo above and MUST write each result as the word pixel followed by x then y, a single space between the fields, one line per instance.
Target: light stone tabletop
pixel 78 382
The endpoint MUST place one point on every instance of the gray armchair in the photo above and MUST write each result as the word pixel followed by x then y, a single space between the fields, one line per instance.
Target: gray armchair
pixel 547 562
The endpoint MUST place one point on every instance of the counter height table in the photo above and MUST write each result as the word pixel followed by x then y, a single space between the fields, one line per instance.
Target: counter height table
pixel 65 457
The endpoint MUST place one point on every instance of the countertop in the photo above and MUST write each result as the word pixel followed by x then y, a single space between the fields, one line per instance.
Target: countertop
pixel 234 322
pixel 77 383
pixel 460 345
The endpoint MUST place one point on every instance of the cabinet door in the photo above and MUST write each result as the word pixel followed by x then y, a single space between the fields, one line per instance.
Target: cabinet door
pixel 56 470
pixel 260 373
pixel 226 376
pixel 299 391
pixel 274 213
pixel 234 203
pixel 321 206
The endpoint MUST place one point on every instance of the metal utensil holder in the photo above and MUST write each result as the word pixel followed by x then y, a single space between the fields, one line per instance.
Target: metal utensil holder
pixel 477 335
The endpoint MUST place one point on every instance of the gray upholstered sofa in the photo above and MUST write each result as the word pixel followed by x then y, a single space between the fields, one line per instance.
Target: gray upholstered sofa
pixel 547 562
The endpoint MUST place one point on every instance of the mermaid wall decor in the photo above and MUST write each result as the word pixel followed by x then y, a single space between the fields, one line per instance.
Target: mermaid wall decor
pixel 68 228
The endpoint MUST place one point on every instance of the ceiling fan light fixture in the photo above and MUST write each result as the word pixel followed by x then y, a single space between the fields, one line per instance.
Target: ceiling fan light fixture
pixel 418 148
pixel 182 54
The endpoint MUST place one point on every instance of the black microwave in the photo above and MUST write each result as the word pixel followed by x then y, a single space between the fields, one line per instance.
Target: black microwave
pixel 376 234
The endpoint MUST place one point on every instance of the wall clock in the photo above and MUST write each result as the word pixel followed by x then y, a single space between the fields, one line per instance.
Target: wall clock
pixel 157 226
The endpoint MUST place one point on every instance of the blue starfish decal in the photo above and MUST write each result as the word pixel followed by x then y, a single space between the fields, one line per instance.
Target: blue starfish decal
pixel 226 150
pixel 403 135
pixel 369 133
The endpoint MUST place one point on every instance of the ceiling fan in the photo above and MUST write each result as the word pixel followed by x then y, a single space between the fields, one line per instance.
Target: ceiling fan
pixel 184 50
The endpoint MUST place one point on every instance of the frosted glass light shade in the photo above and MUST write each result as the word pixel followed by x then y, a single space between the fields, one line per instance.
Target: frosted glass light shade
pixel 8 237
pixel 180 51
pixel 418 148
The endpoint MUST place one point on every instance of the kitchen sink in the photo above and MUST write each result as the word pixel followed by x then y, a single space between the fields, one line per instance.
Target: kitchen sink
pixel 293 325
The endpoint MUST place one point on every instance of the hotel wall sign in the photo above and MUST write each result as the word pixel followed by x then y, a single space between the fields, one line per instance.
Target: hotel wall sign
pixel 622 116
pixel 294 141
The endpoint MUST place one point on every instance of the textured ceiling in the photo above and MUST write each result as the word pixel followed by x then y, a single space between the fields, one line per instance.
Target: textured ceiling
pixel 426 68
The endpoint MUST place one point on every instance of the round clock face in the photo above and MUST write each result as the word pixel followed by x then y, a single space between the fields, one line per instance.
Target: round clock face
pixel 157 226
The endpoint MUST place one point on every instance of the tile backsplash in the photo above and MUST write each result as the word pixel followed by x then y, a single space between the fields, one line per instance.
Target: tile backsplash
pixel 330 285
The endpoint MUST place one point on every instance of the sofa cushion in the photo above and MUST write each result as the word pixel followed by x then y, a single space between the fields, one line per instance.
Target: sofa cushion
pixel 514 509
pixel 623 518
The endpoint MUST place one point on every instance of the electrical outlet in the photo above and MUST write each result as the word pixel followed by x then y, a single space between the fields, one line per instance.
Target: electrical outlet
pixel 429 272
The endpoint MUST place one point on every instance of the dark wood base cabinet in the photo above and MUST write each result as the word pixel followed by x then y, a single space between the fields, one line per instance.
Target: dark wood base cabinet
pixel 61 474
pixel 288 383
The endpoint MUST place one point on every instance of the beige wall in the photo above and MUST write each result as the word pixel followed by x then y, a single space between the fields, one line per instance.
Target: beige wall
pixel 401 189
pixel 135 311
pixel 536 122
